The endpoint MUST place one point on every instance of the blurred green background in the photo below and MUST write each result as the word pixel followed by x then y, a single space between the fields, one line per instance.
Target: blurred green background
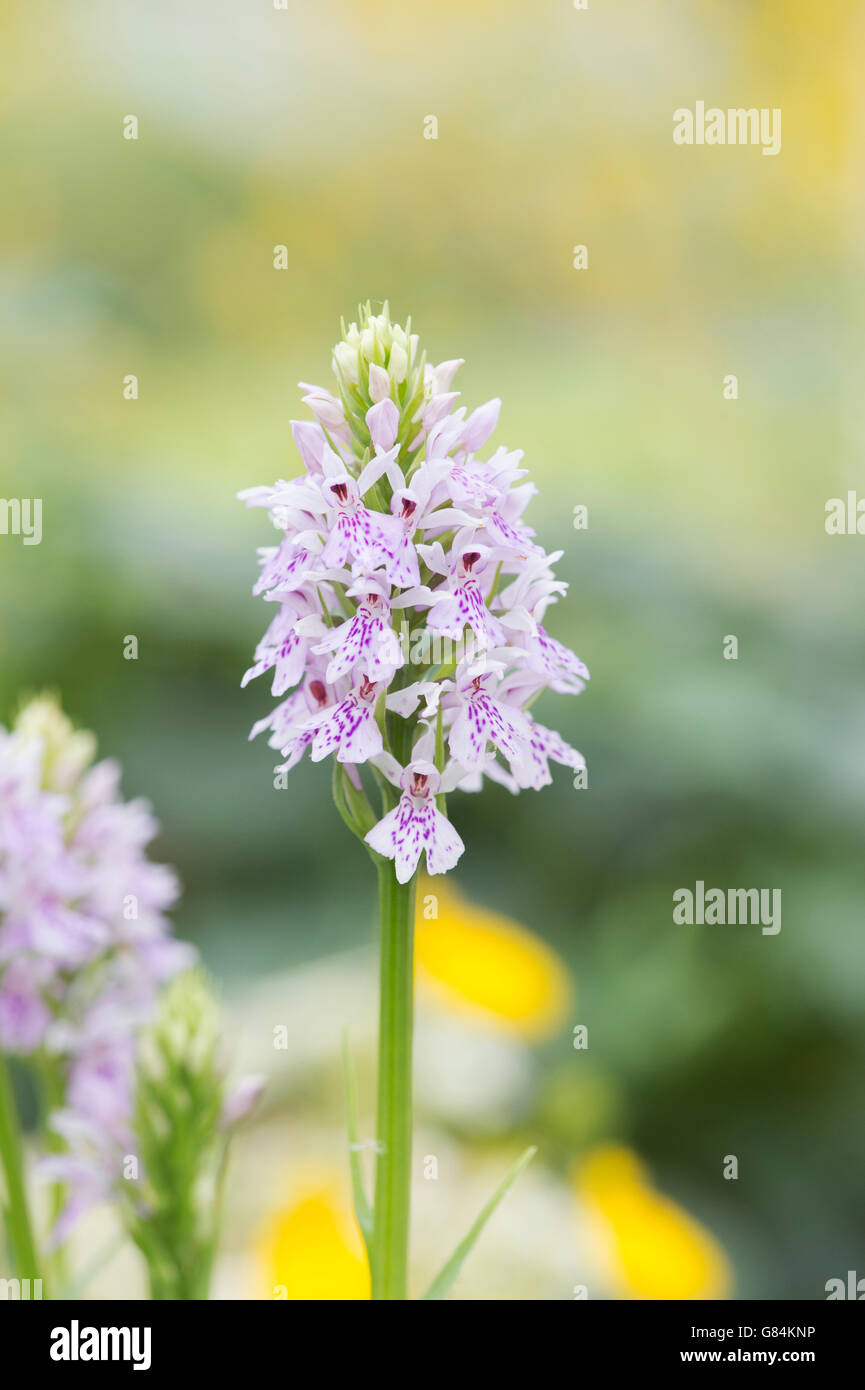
pixel 304 127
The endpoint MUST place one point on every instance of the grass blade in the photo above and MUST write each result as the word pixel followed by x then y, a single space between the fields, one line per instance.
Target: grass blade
pixel 447 1277
pixel 362 1209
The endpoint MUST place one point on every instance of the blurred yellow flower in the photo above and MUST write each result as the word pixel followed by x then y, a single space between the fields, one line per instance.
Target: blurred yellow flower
pixel 486 965
pixel 654 1248
pixel 311 1248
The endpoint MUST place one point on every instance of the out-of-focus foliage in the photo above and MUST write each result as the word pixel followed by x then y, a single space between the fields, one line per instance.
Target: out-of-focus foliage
pixel 305 128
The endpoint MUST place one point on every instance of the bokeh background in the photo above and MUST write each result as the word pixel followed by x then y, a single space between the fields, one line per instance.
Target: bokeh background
pixel 304 127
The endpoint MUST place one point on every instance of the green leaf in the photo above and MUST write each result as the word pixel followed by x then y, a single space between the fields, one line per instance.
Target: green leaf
pixel 352 804
pixel 362 1209
pixel 447 1277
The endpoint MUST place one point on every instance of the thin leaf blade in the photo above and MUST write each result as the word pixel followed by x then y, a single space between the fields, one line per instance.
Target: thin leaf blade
pixel 362 1209
pixel 447 1276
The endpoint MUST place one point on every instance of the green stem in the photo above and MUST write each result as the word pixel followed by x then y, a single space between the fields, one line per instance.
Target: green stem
pixel 53 1094
pixel 394 1122
pixel 19 1228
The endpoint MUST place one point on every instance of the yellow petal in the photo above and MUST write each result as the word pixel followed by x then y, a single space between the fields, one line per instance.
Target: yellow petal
pixel 654 1247
pixel 487 966
pixel 311 1249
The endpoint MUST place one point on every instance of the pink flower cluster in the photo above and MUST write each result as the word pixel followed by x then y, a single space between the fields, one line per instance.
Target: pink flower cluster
pixel 407 589
pixel 84 940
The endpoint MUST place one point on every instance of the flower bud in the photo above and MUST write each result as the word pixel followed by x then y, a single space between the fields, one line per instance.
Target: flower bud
pixel 383 423
pixel 480 425
pixel 438 408
pixel 241 1100
pixel 345 356
pixel 398 364
pixel 326 409
pixel 310 444
pixel 379 382
pixel 445 372
pixel 66 751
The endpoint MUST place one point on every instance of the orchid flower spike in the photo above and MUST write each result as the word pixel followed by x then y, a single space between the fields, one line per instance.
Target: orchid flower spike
pixel 85 941
pixel 408 639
